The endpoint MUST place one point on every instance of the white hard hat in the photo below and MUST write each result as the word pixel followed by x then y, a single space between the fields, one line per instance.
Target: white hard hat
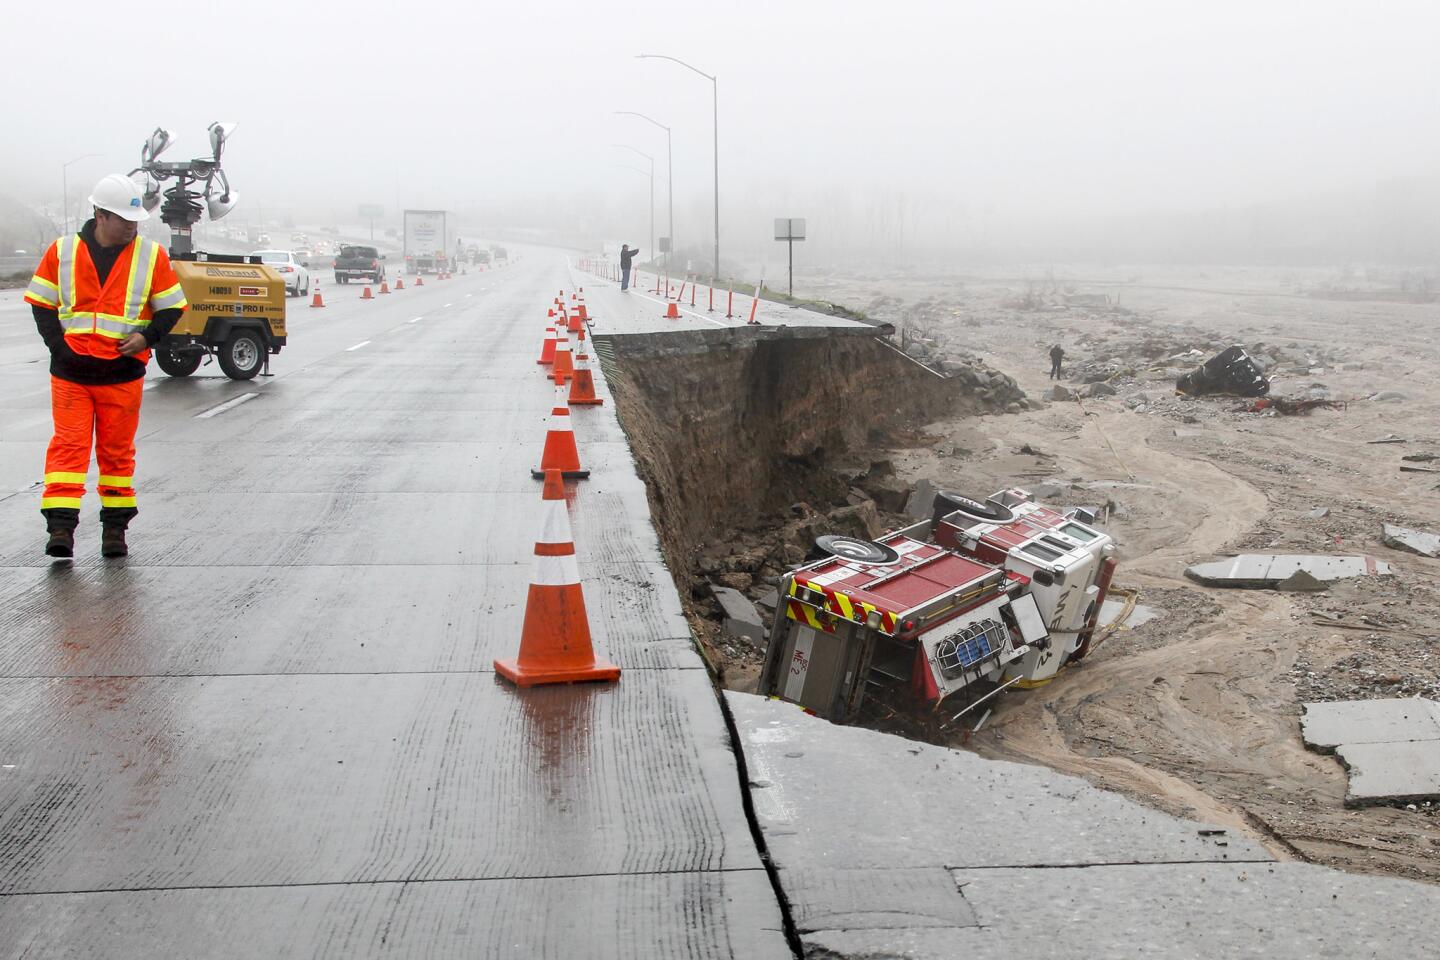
pixel 121 196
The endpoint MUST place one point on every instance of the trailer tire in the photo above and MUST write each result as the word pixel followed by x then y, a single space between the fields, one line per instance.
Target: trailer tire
pixel 178 364
pixel 243 355
pixel 987 511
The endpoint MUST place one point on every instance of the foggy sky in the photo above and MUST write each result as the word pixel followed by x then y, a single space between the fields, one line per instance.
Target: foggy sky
pixel 971 120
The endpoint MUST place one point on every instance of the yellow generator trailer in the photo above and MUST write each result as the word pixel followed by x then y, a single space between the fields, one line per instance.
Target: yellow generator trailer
pixel 237 314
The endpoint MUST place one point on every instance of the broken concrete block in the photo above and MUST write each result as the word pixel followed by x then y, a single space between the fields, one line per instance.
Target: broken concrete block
pixel 860 521
pixel 1254 571
pixel 1100 390
pixel 1319 513
pixel 1390 748
pixel 742 620
pixel 922 501
pixel 769 598
pixel 1058 392
pixel 1413 541
pixel 1327 725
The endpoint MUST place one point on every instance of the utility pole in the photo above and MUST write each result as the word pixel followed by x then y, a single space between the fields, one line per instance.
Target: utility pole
pixel 626 146
pixel 714 140
pixel 669 181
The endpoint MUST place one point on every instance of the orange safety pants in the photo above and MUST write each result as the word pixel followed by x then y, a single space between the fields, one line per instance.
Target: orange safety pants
pixel 109 414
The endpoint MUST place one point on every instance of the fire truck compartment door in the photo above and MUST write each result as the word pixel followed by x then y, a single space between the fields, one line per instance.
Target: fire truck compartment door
pixel 1027 615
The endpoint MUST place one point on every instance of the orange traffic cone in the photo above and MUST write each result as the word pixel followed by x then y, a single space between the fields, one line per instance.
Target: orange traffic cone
pixel 564 362
pixel 672 312
pixel 581 312
pixel 550 314
pixel 399 283
pixel 384 286
pixel 575 323
pixel 419 280
pixel 367 295
pixel 560 452
pixel 582 387
pixel 317 300
pixel 555 644
pixel 547 349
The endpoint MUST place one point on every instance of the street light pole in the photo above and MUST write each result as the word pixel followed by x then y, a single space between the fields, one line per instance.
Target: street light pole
pixel 647 156
pixel 65 191
pixel 714 137
pixel 669 183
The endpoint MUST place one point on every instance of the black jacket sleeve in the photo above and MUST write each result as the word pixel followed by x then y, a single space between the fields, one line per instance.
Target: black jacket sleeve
pixel 162 323
pixel 47 321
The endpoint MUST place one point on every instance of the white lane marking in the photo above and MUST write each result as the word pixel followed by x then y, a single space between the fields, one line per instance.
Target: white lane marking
pixel 227 405
pixel 362 343
pixel 449 304
pixel 697 316
pixel 469 294
pixel 150 385
pixel 418 319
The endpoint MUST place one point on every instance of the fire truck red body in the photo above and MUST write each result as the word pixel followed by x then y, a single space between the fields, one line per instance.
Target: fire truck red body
pixel 978 598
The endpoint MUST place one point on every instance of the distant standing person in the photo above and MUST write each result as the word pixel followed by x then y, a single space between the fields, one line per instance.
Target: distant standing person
pixel 1057 357
pixel 626 255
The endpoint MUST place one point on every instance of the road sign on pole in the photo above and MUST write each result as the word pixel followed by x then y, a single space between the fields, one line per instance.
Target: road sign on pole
pixel 790 229
pixel 372 212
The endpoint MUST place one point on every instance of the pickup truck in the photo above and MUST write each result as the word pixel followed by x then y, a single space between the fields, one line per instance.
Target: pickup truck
pixel 359 263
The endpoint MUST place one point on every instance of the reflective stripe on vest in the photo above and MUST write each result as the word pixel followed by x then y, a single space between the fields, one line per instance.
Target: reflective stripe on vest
pixel 138 283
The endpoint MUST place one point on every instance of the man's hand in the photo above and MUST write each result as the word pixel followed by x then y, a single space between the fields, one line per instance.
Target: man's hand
pixel 133 344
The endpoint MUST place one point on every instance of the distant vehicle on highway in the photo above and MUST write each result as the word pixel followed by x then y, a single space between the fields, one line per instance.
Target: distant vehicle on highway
pixel 263 238
pixel 290 267
pixel 359 263
pixel 500 253
pixel 478 255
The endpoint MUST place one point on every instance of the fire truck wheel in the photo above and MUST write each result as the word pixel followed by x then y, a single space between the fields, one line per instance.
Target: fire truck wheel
pixel 178 364
pixel 989 511
pixel 243 355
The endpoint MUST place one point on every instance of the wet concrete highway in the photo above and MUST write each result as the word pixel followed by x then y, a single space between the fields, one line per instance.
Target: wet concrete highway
pixel 274 730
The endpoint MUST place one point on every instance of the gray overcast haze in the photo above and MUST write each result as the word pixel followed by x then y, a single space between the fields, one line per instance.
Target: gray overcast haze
pixel 1037 129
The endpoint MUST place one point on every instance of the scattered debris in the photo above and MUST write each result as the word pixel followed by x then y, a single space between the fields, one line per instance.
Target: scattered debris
pixel 1391 748
pixel 1319 513
pixel 1405 469
pixel 1390 439
pixel 1390 396
pixel 742 620
pixel 1229 371
pixel 1291 407
pixel 1421 457
pixel 1413 541
pixel 1254 571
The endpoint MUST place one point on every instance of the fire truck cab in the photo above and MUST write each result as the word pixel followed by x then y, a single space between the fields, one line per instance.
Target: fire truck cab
pixel 980 597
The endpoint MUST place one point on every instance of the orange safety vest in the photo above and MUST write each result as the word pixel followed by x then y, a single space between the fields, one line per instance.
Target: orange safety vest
pixel 96 318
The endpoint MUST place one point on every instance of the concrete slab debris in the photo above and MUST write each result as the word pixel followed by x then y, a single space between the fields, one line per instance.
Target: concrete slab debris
pixel 1391 772
pixel 954 865
pixel 1391 748
pixel 1329 724
pixel 1258 571
pixel 1390 439
pixel 922 502
pixel 741 618
pixel 1319 513
pixel 1413 541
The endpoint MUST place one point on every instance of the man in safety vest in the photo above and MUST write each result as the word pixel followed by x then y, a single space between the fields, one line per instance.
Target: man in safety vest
pixel 101 298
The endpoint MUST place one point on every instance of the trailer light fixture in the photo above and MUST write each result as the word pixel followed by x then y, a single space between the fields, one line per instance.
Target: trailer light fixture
pixel 872 620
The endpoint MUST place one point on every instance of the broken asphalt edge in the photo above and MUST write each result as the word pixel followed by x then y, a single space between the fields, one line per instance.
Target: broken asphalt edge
pixel 757 833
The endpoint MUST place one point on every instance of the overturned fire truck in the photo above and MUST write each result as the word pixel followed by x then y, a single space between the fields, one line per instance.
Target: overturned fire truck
pixel 979 598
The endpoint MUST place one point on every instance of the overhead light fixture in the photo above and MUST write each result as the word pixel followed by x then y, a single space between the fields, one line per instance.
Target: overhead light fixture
pixel 219 133
pixel 160 141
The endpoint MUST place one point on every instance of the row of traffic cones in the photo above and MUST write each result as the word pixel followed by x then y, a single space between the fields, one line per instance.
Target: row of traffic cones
pixel 555 642
pixel 319 301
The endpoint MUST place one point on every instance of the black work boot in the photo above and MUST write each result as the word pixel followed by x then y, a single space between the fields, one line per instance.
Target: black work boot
pixel 112 541
pixel 61 544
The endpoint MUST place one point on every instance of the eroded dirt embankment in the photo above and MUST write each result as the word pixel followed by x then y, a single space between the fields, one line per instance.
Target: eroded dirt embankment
pixel 749 441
